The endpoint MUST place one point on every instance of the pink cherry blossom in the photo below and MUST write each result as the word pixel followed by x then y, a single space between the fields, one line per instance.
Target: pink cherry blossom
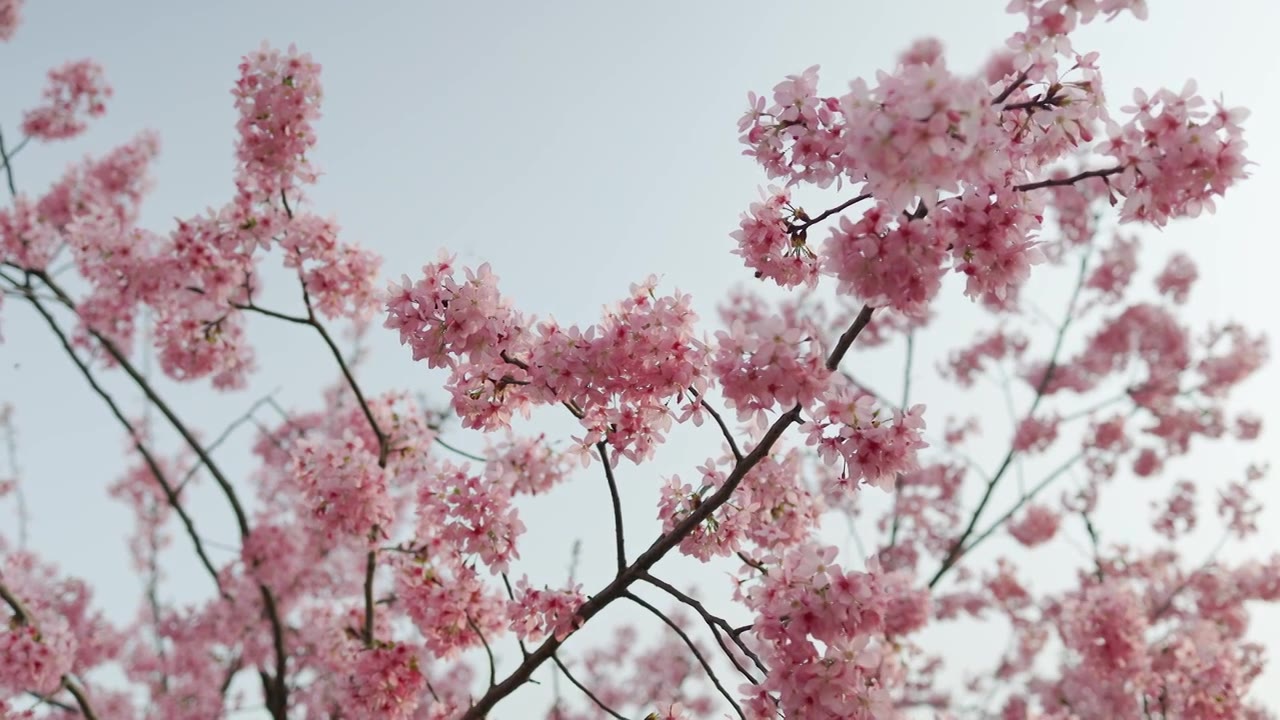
pixel 76 91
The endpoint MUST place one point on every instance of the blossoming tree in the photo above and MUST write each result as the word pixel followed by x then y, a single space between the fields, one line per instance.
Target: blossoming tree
pixel 373 573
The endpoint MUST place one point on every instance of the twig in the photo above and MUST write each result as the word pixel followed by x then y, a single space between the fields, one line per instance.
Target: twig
pixel 6 158
pixel 724 429
pixel 81 699
pixel 958 546
pixel 225 434
pixel 692 648
pixel 493 671
pixel 1069 180
pixel 716 624
pixel 805 225
pixel 612 713
pixel 170 493
pixel 470 456
pixel 619 536
pixel 906 398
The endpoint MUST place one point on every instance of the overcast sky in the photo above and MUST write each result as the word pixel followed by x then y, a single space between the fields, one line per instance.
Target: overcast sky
pixel 579 147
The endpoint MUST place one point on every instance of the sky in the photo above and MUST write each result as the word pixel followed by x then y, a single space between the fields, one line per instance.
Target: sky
pixel 577 147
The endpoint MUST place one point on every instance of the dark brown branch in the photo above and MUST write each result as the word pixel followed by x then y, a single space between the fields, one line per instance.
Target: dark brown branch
pixel 806 224
pixel 370 565
pixel 716 623
pixel 846 340
pixel 81 699
pixel 188 437
pixel 1093 541
pixel 1069 180
pixel 619 536
pixel 171 495
pixel 383 439
pixel 724 429
pixel 1012 87
pixel 277 692
pixel 488 651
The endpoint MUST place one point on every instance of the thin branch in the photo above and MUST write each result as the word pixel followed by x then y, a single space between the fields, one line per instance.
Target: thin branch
pixel 711 673
pixel 612 713
pixel 619 536
pixel 716 624
pixel 171 495
pixel 6 158
pixel 370 565
pixel 225 434
pixel 11 447
pixel 1031 494
pixel 846 340
pixel 81 699
pixel 724 429
pixel 1093 541
pixel 382 438
pixel 1012 87
pixel 958 546
pixel 906 398
pixel 493 671
pixel 1069 180
pixel 470 456
pixel 20 611
pixel 806 224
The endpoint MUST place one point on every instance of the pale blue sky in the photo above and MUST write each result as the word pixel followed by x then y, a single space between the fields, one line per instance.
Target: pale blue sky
pixel 578 146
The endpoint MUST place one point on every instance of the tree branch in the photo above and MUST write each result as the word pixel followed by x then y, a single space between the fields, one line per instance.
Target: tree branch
pixel 958 546
pixel 1069 180
pixel 171 495
pixel 716 624
pixel 664 544
pixel 619 536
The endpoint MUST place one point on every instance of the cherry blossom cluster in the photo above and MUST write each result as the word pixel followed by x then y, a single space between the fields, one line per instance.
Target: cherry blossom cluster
pixel 76 91
pixel 824 631
pixel 278 97
pixel 847 426
pixel 539 613
pixel 10 16
pixel 615 376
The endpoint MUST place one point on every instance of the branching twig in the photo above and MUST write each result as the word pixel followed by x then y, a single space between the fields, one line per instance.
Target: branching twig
pixel 611 712
pixel 711 673
pixel 957 547
pixel 806 224
pixel 171 495
pixel 664 544
pixel 716 624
